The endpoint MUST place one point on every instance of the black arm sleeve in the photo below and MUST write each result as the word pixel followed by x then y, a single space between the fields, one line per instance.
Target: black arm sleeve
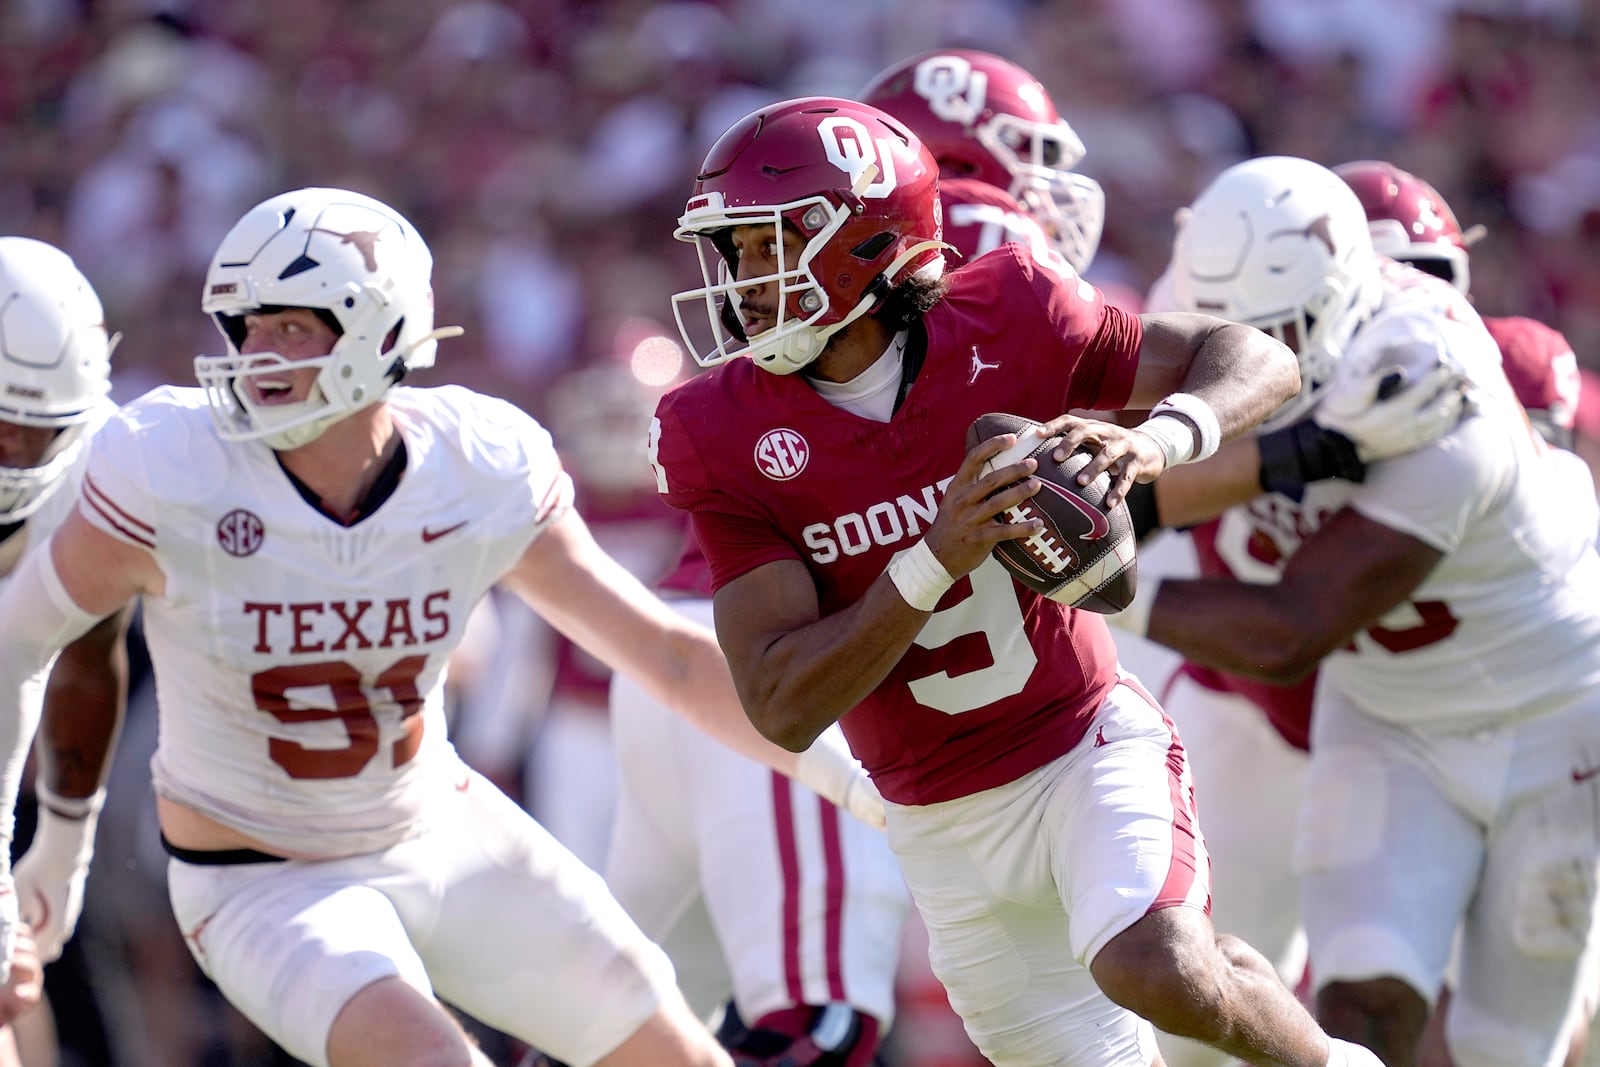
pixel 1295 456
pixel 1142 510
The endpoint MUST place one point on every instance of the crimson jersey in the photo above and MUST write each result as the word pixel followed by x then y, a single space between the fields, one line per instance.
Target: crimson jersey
pixel 978 218
pixel 692 576
pixel 1541 365
pixel 1000 681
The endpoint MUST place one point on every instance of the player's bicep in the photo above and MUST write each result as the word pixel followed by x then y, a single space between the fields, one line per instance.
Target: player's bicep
pixel 99 572
pixel 1350 574
pixel 755 610
pixel 1167 346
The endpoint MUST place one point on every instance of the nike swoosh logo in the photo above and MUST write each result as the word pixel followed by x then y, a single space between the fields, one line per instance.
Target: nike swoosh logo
pixel 434 535
pixel 1584 776
pixel 1099 525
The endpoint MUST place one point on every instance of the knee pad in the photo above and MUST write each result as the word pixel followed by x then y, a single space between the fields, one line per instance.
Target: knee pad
pixel 1555 899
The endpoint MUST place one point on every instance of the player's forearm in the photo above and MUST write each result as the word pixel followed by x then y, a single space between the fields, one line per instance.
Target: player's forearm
pixel 1191 494
pixel 37 618
pixel 83 710
pixel 707 698
pixel 1236 627
pixel 810 677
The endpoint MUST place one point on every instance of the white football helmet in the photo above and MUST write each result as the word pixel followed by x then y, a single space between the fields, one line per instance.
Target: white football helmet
pixel 355 261
pixel 55 364
pixel 1281 244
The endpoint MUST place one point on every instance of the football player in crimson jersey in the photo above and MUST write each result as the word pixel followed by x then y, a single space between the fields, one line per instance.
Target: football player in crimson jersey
pixel 1037 799
pixel 1448 779
pixel 308 538
pixel 1005 154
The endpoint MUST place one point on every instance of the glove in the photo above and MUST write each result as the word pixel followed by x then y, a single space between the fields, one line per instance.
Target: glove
pixel 1394 410
pixel 1302 453
pixel 829 769
pixel 50 876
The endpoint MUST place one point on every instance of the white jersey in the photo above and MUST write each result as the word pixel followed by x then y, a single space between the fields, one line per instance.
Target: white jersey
pixel 1508 623
pixel 299 662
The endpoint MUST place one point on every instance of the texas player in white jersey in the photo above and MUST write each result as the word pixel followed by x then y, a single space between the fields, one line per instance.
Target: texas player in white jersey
pixel 767 898
pixel 1248 738
pixel 54 393
pixel 308 540
pixel 1456 595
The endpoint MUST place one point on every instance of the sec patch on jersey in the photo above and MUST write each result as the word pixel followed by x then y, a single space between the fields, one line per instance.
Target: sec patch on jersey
pixel 1085 555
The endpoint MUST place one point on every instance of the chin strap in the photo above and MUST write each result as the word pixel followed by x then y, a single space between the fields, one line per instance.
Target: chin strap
pixel 398 368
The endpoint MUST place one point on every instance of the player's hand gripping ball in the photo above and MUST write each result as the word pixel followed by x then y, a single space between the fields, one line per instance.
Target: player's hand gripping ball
pixel 1084 557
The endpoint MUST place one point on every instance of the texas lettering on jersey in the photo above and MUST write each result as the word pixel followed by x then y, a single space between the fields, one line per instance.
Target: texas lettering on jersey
pixel 347 625
pixel 302 660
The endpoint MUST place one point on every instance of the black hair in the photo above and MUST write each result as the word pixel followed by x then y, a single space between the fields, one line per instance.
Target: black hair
pixel 913 298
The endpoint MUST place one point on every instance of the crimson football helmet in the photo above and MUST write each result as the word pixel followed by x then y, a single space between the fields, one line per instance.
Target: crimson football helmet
pixel 1410 221
pixel 355 261
pixel 55 364
pixel 856 185
pixel 1281 244
pixel 984 117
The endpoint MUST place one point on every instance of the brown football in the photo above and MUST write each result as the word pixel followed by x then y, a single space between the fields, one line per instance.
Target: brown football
pixel 1084 556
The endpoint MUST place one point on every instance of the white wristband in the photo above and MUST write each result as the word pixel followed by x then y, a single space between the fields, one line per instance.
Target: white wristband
pixel 1172 435
pixel 70 807
pixel 919 576
pixel 1189 439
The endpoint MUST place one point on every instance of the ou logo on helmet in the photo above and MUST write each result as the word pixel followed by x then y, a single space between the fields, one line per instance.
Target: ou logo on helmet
pixel 954 91
pixel 782 454
pixel 851 148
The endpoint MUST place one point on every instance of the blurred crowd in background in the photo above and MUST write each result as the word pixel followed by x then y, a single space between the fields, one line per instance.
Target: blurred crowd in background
pixel 545 148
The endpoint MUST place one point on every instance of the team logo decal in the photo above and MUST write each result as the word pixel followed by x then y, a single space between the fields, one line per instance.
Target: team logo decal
pixel 240 532
pixel 979 366
pixel 954 91
pixel 851 148
pixel 782 454
pixel 365 242
pixel 1320 227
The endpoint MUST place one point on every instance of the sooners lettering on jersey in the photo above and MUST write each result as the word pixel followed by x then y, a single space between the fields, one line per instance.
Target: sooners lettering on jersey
pixel 991 688
pixel 301 679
